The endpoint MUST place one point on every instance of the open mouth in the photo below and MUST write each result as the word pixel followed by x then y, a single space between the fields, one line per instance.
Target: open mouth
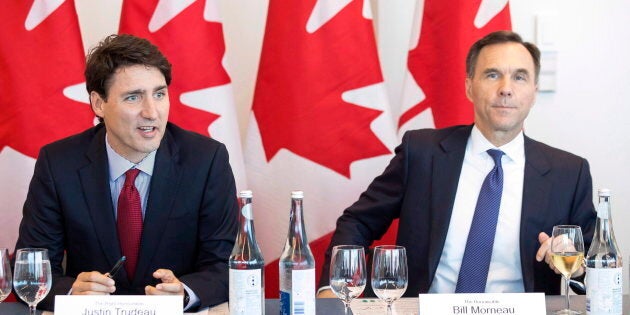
pixel 147 129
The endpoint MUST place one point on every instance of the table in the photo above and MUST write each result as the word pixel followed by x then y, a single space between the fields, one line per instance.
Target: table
pixel 334 306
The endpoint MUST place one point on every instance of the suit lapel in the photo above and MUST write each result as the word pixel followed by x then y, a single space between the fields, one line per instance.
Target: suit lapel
pixel 536 190
pixel 162 193
pixel 95 182
pixel 447 166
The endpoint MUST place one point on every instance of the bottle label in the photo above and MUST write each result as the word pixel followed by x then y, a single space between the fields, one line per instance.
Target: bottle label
pixel 246 211
pixel 604 291
pixel 246 295
pixel 301 299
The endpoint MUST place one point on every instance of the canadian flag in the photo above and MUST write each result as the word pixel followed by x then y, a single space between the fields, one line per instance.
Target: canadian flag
pixel 433 92
pixel 190 34
pixel 320 122
pixel 43 96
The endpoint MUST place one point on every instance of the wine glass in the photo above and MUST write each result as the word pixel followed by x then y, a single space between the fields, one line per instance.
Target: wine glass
pixel 32 278
pixel 567 255
pixel 347 273
pixel 389 273
pixel 5 274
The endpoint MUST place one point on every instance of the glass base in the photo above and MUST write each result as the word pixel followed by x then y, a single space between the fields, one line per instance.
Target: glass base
pixel 567 312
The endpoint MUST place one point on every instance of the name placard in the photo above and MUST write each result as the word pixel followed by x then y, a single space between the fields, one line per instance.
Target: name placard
pixel 482 303
pixel 119 305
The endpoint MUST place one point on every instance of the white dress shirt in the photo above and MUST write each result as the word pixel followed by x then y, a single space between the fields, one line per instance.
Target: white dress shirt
pixel 505 273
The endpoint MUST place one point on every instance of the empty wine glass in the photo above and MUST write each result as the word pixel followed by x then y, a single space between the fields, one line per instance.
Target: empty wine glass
pixel 567 254
pixel 347 273
pixel 32 278
pixel 389 273
pixel 5 274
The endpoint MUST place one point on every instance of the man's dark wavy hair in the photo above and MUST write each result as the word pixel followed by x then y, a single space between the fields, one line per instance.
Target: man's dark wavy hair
pixel 117 51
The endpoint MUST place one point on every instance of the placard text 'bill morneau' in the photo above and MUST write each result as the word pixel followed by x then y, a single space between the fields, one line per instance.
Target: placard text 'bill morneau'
pixel 483 310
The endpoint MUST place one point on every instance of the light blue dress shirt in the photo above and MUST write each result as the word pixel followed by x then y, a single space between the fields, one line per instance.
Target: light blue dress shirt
pixel 118 165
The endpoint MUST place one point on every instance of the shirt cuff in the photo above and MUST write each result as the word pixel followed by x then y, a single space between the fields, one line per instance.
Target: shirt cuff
pixel 194 299
pixel 326 287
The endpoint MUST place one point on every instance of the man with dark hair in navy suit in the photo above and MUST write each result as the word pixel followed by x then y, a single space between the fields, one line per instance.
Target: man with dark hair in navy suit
pixel 434 180
pixel 134 185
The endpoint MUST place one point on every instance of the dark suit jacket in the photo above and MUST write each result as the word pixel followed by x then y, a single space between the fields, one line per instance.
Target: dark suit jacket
pixel 419 187
pixel 189 224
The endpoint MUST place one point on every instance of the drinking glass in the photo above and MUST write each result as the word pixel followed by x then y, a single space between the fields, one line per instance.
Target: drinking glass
pixel 5 274
pixel 389 273
pixel 32 279
pixel 347 273
pixel 567 255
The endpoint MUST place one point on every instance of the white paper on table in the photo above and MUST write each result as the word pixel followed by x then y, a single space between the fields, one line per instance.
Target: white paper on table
pixel 403 306
pixel 221 309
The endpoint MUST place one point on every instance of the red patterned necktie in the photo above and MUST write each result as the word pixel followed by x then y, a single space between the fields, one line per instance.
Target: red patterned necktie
pixel 129 221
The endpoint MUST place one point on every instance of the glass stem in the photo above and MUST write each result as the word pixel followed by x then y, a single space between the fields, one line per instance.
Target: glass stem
pixel 389 308
pixel 566 291
pixel 33 309
pixel 346 307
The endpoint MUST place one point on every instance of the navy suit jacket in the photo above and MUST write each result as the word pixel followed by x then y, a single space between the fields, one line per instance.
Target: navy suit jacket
pixel 419 187
pixel 189 224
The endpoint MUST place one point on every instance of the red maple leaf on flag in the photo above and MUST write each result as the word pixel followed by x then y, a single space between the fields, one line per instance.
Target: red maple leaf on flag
pixel 37 65
pixel 438 62
pixel 188 41
pixel 298 101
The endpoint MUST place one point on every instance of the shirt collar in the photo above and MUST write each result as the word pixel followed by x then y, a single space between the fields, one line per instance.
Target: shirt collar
pixel 118 165
pixel 514 150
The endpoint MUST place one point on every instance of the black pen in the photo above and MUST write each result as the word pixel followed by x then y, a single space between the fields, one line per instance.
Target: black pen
pixel 116 267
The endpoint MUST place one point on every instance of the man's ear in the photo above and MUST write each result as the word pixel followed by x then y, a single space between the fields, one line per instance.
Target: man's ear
pixel 96 101
pixel 469 88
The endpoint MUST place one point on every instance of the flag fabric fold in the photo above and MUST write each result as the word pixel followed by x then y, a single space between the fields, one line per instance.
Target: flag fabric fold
pixel 433 90
pixel 43 96
pixel 320 120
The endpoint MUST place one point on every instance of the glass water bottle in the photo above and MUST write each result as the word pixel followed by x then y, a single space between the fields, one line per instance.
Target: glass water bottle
pixel 247 286
pixel 297 265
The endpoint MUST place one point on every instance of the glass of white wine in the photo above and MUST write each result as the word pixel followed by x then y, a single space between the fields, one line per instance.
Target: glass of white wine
pixel 567 255
pixel 5 274
pixel 389 273
pixel 32 278
pixel 347 273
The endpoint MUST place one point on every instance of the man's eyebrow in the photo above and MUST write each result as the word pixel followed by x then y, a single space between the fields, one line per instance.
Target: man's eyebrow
pixel 522 71
pixel 495 70
pixel 132 92
pixel 490 70
pixel 161 87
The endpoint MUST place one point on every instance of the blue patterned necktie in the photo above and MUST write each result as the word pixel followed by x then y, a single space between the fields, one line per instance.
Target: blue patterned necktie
pixel 473 274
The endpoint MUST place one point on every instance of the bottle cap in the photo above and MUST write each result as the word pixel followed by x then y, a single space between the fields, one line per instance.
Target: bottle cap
pixel 297 194
pixel 245 194
pixel 603 192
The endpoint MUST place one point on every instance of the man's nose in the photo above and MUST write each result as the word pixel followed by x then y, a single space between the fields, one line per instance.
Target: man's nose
pixel 149 109
pixel 505 89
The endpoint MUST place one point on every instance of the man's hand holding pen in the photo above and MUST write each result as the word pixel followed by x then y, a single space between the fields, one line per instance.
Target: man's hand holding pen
pixel 96 283
pixel 92 283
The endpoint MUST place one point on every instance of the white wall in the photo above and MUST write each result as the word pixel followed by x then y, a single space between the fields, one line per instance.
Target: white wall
pixel 588 114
